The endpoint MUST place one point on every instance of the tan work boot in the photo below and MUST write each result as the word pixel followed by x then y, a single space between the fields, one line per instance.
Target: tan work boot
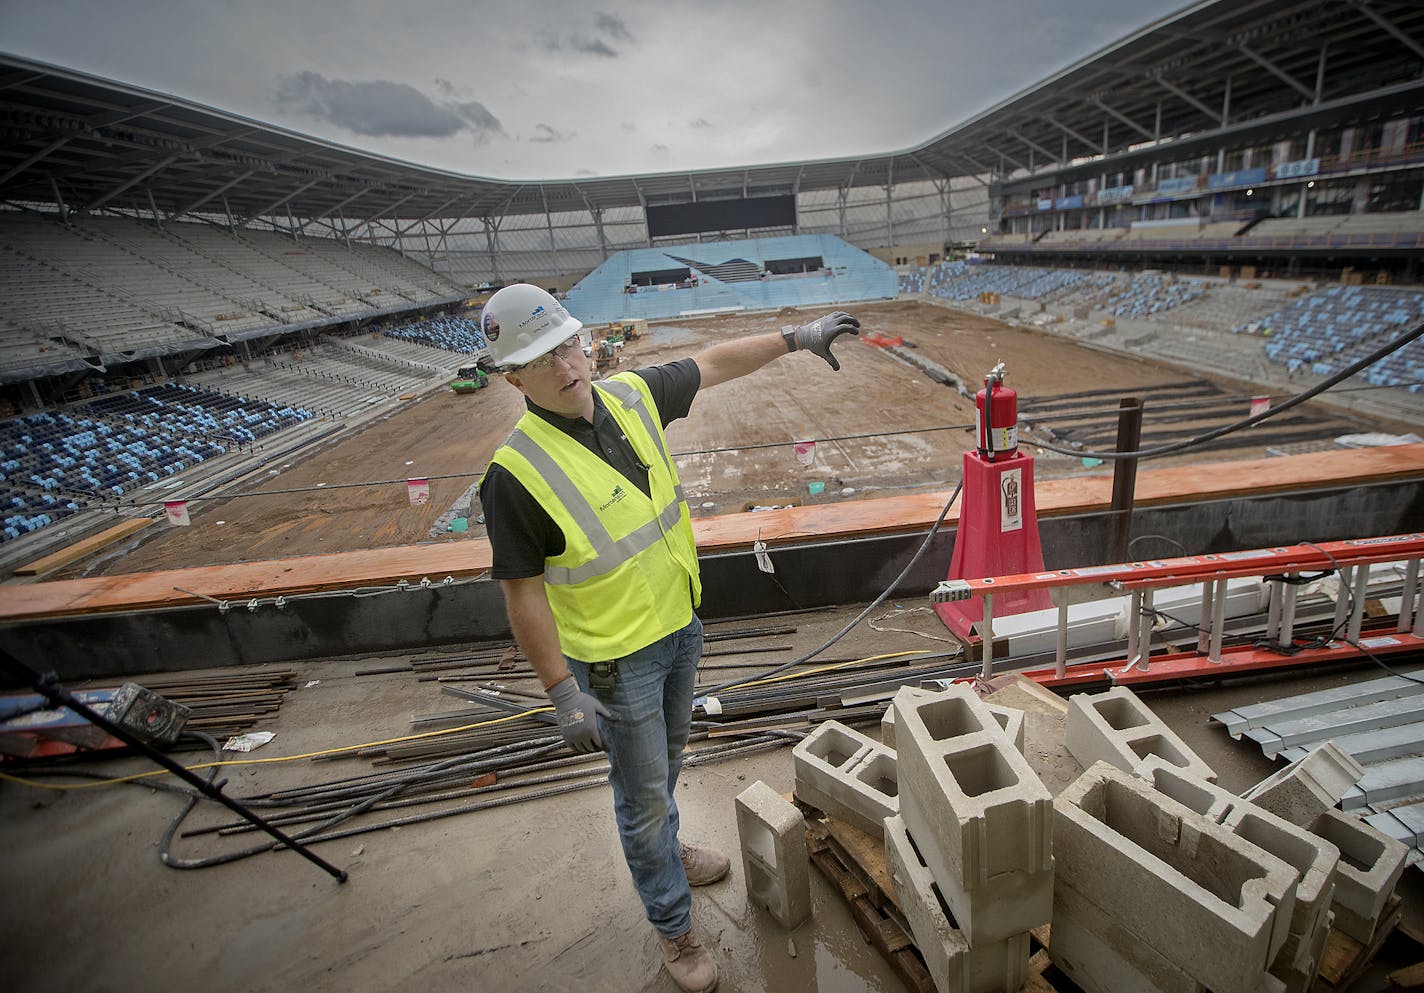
pixel 703 865
pixel 689 963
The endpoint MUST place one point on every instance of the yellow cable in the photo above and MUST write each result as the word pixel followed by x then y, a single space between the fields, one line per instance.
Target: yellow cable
pixel 267 761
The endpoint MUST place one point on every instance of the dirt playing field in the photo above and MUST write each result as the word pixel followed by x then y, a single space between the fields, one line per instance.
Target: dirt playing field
pixel 882 407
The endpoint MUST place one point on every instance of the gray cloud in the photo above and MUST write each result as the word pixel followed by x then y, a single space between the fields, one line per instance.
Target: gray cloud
pixel 612 25
pixel 701 122
pixel 544 133
pixel 383 108
pixel 606 40
pixel 592 46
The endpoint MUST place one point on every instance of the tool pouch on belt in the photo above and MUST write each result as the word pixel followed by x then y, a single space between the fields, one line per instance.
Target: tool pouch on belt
pixel 602 676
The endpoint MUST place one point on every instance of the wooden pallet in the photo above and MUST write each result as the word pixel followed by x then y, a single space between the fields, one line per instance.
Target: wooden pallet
pixel 870 906
pixel 1345 959
pixel 854 862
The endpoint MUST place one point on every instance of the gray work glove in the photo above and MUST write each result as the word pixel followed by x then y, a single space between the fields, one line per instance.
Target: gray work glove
pixel 577 712
pixel 817 336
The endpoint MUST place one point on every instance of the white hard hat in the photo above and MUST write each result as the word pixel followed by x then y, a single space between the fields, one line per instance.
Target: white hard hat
pixel 522 322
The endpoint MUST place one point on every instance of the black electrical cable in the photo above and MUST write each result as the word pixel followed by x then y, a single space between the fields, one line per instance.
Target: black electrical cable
pixel 1350 601
pixel 861 616
pixel 1201 439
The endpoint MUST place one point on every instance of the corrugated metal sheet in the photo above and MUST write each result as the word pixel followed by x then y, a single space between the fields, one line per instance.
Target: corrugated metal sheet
pixel 1379 722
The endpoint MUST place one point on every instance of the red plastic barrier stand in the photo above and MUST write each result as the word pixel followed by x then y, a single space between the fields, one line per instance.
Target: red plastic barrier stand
pixel 998 536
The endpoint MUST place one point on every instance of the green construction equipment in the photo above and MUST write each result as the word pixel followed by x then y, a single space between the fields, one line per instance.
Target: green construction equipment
pixel 469 378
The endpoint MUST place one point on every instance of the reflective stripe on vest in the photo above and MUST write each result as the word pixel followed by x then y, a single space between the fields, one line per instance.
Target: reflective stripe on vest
pixel 609 554
pixel 633 400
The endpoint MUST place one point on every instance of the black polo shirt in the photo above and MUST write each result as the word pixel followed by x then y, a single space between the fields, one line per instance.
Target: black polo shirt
pixel 521 532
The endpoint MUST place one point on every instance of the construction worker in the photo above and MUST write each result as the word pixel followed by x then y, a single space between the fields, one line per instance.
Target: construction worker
pixel 593 548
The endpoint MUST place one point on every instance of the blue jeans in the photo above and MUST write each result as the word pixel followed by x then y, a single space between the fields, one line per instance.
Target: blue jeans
pixel 653 700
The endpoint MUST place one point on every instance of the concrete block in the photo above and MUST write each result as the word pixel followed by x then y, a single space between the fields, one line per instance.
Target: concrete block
pixel 1205 899
pixel 848 775
pixel 1301 977
pixel 1116 727
pixel 980 813
pixel 774 860
pixel 887 720
pixel 1011 719
pixel 954 965
pixel 1102 955
pixel 1370 866
pixel 1313 858
pixel 1309 786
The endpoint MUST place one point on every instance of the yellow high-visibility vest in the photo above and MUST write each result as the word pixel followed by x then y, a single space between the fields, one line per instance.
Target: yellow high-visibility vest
pixel 628 574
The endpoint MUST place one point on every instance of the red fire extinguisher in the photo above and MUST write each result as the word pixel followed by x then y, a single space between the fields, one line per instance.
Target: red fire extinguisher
pixel 996 412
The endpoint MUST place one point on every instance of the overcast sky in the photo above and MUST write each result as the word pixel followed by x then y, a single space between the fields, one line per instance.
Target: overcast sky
pixel 554 89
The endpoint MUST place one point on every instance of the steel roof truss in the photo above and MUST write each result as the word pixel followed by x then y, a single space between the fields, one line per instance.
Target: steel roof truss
pixel 333 209
pixel 1124 119
pixel 1093 145
pixel 1051 156
pixel 133 181
pixel 1374 15
pixel 1278 72
pixel 208 196
pixel 264 211
pixel 1188 99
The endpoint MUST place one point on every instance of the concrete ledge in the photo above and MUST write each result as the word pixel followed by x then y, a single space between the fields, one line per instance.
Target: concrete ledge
pixel 774 860
pixel 981 813
pixel 1116 727
pixel 1207 900
pixel 954 965
pixel 848 775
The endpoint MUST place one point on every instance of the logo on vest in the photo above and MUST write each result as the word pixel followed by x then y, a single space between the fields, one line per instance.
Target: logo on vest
pixel 618 494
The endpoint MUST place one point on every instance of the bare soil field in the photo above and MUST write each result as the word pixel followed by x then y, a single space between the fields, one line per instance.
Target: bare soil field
pixel 897 429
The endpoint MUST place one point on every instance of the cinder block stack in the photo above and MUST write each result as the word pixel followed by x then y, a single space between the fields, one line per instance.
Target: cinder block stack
pixel 1305 793
pixel 1314 859
pixel 970 851
pixel 1152 895
pixel 1167 882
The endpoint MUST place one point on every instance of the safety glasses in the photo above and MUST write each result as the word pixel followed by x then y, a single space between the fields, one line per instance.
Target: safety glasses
pixel 546 360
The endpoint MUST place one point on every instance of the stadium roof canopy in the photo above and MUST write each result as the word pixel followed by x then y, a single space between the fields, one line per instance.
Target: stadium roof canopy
pixel 1214 68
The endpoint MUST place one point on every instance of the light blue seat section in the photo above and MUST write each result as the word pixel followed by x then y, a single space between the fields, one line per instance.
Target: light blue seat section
pixel 1328 330
pixel 53 464
pixel 728 276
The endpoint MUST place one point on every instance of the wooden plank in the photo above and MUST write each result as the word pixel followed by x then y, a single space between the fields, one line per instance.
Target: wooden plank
pixel 854 860
pixel 1409 978
pixel 1345 959
pixel 889 938
pixel 83 547
pixel 851 519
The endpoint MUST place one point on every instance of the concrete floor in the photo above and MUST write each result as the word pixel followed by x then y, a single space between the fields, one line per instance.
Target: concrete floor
pixel 529 897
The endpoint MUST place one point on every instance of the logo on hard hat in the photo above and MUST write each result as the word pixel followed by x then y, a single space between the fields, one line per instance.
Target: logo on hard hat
pixel 491 327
